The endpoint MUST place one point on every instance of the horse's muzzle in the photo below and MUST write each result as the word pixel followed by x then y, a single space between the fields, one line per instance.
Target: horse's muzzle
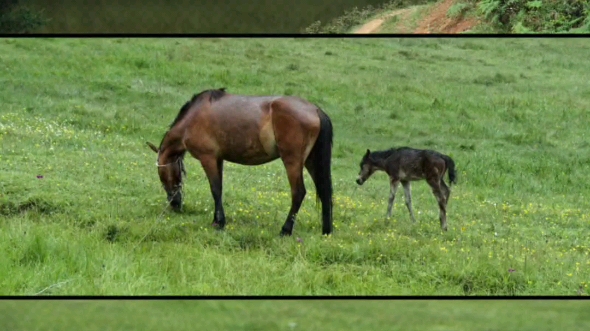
pixel 176 206
pixel 175 202
pixel 360 181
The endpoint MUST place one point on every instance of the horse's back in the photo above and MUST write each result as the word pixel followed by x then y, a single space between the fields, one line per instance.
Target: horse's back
pixel 249 129
pixel 239 105
pixel 281 110
pixel 299 109
pixel 235 128
pixel 414 164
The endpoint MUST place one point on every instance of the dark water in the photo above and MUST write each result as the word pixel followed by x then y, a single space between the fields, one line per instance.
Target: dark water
pixel 184 16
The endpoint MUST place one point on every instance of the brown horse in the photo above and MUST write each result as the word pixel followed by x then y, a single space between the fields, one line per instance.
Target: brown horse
pixel 215 126
pixel 406 164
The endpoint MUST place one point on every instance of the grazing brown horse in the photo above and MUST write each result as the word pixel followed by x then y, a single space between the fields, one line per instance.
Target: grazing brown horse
pixel 407 164
pixel 215 126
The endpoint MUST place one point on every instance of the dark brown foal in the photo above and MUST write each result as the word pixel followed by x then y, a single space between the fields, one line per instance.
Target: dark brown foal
pixel 404 165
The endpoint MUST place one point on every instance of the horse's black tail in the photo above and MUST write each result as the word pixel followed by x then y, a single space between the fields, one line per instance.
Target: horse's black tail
pixel 321 157
pixel 451 167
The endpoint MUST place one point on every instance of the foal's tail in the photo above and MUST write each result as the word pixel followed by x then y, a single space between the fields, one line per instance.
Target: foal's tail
pixel 321 155
pixel 451 166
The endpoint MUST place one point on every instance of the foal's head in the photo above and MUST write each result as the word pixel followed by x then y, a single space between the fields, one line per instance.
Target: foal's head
pixel 171 170
pixel 368 167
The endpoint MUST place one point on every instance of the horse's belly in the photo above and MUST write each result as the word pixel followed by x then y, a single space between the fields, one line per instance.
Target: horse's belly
pixel 256 160
pixel 250 154
pixel 251 140
pixel 253 150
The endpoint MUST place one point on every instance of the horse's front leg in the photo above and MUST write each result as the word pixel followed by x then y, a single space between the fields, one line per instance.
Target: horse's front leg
pixel 214 170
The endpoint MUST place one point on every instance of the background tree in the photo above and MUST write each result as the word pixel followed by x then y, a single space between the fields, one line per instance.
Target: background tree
pixel 19 19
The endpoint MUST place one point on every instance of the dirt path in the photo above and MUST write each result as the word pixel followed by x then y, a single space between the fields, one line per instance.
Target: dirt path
pixel 374 25
pixel 435 21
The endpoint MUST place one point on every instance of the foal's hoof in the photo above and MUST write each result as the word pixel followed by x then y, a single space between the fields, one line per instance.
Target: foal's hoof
pixel 286 233
pixel 218 226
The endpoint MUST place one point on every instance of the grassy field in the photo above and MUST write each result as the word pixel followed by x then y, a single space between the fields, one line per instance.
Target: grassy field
pixel 295 315
pixel 512 113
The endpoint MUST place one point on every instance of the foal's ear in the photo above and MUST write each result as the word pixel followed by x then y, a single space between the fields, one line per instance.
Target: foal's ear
pixel 154 148
pixel 368 152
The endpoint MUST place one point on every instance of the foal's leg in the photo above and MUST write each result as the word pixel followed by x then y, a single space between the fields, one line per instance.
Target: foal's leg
pixel 408 198
pixel 394 185
pixel 214 171
pixel 434 182
pixel 295 175
pixel 446 190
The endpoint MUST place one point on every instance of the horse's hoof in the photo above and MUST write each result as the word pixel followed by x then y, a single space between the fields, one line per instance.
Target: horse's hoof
pixel 285 233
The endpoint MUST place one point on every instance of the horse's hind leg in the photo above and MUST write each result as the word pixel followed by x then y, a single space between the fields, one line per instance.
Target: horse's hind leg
pixel 295 175
pixel 294 133
pixel 326 203
pixel 214 171
pixel 408 198
pixel 394 185
pixel 442 203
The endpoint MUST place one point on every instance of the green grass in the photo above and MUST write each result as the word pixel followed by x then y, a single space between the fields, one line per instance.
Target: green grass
pixel 512 113
pixel 295 315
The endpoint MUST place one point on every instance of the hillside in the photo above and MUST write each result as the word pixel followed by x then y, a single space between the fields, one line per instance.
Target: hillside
pixel 465 16
pixel 424 19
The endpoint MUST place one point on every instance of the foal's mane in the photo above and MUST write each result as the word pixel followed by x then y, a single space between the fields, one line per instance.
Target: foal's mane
pixel 214 95
pixel 381 155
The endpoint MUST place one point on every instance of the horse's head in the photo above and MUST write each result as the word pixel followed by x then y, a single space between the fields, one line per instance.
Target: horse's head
pixel 171 170
pixel 368 167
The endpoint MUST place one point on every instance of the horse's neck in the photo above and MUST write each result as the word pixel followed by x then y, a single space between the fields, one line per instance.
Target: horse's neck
pixel 171 149
pixel 382 164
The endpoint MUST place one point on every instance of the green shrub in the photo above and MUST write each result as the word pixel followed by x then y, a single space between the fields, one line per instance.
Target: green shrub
pixel 343 23
pixel 19 19
pixel 458 10
pixel 523 16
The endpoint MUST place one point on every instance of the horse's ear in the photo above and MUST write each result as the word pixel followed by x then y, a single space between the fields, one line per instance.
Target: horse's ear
pixel 154 148
pixel 368 152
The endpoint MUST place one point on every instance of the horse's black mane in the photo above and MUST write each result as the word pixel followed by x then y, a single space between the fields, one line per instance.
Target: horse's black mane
pixel 214 95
